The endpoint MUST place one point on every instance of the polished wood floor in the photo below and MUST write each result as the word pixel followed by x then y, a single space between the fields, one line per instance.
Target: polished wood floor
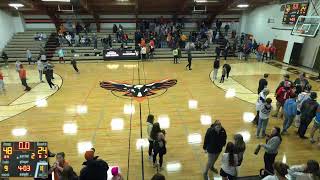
pixel 80 101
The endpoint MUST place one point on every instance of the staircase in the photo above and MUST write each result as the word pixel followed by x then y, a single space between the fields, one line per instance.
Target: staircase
pixel 51 46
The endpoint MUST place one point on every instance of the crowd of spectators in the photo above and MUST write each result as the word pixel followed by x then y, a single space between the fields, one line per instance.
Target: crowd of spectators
pixel 93 168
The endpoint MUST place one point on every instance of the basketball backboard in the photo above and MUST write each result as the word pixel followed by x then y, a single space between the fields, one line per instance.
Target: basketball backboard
pixel 307 26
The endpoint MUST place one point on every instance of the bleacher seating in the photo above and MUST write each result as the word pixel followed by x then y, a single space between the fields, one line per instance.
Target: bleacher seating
pixel 16 48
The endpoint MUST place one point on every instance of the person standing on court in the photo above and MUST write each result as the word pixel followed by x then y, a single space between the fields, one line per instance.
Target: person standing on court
pixel 40 67
pixel 228 69
pixel 159 147
pixel 271 149
pixel 216 66
pixel 264 114
pixel 308 112
pixel 175 53
pixel 150 121
pixel 316 126
pixel 61 55
pixel 261 100
pixel 229 163
pixel 74 64
pixel 290 112
pixel 23 78
pixel 263 83
pixel 29 56
pixel 239 147
pixel 17 64
pixel 224 72
pixel 215 139
pixel 48 73
pixel 189 60
pixel 301 98
pixel 1 82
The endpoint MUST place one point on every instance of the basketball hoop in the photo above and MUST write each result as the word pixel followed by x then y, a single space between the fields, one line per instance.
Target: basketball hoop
pixel 307 26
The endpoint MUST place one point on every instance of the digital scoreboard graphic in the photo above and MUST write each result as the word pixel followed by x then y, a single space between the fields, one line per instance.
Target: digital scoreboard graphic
pixel 24 159
pixel 293 11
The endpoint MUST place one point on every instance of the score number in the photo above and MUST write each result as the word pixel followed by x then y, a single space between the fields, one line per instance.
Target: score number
pixel 7 150
pixel 24 145
pixel 24 168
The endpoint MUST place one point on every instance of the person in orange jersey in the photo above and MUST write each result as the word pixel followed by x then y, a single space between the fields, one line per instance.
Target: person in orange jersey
pixel 23 78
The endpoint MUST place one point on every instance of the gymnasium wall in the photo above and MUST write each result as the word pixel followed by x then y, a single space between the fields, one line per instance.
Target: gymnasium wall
pixel 256 22
pixel 107 21
pixel 8 26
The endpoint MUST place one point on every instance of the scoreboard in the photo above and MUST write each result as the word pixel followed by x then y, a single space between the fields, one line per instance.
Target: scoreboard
pixel 293 11
pixel 24 159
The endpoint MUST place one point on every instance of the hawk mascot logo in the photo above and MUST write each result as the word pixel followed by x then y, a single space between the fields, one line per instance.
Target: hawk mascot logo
pixel 138 91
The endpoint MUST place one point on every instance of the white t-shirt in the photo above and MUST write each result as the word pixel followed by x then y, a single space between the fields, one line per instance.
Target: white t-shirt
pixel 232 170
pixel 271 177
pixel 143 50
pixel 40 65
pixel 261 99
pixel 302 97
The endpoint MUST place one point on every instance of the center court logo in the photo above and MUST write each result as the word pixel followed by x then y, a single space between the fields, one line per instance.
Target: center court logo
pixel 138 91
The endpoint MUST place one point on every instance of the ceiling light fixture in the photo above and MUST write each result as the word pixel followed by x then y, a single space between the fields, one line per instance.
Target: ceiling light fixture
pixel 16 5
pixel 56 0
pixel 206 1
pixel 243 5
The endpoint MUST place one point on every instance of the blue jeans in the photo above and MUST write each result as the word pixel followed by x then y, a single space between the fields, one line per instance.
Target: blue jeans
pixel 287 122
pixel 262 125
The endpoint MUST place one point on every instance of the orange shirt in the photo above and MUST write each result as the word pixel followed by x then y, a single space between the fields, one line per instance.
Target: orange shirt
pixel 143 43
pixel 23 74
pixel 261 48
pixel 267 49
pixel 1 76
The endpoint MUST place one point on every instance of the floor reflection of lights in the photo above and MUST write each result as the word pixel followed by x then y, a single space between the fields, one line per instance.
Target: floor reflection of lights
pixel 248 116
pixel 19 132
pixel 205 119
pixel 82 109
pixel 117 124
pixel 284 158
pixel 193 104
pixel 130 66
pixel 173 166
pixel 84 146
pixel 230 93
pixel 144 143
pixel 246 135
pixel 129 109
pixel 70 128
pixel 41 103
pixel 113 66
pixel 194 138
pixel 164 121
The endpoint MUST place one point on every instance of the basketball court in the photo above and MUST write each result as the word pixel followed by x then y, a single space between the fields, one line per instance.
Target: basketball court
pixel 106 104
pixel 81 114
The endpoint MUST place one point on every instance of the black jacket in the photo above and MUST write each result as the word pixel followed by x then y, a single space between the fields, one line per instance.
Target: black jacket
pixel 309 109
pixel 227 66
pixel 262 84
pixel 214 142
pixel 216 64
pixel 95 170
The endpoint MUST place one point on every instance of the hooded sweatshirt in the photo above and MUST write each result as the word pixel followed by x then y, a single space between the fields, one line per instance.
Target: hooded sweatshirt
pixel 290 107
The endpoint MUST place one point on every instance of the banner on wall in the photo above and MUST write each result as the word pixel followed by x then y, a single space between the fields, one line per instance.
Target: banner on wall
pixel 120 54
